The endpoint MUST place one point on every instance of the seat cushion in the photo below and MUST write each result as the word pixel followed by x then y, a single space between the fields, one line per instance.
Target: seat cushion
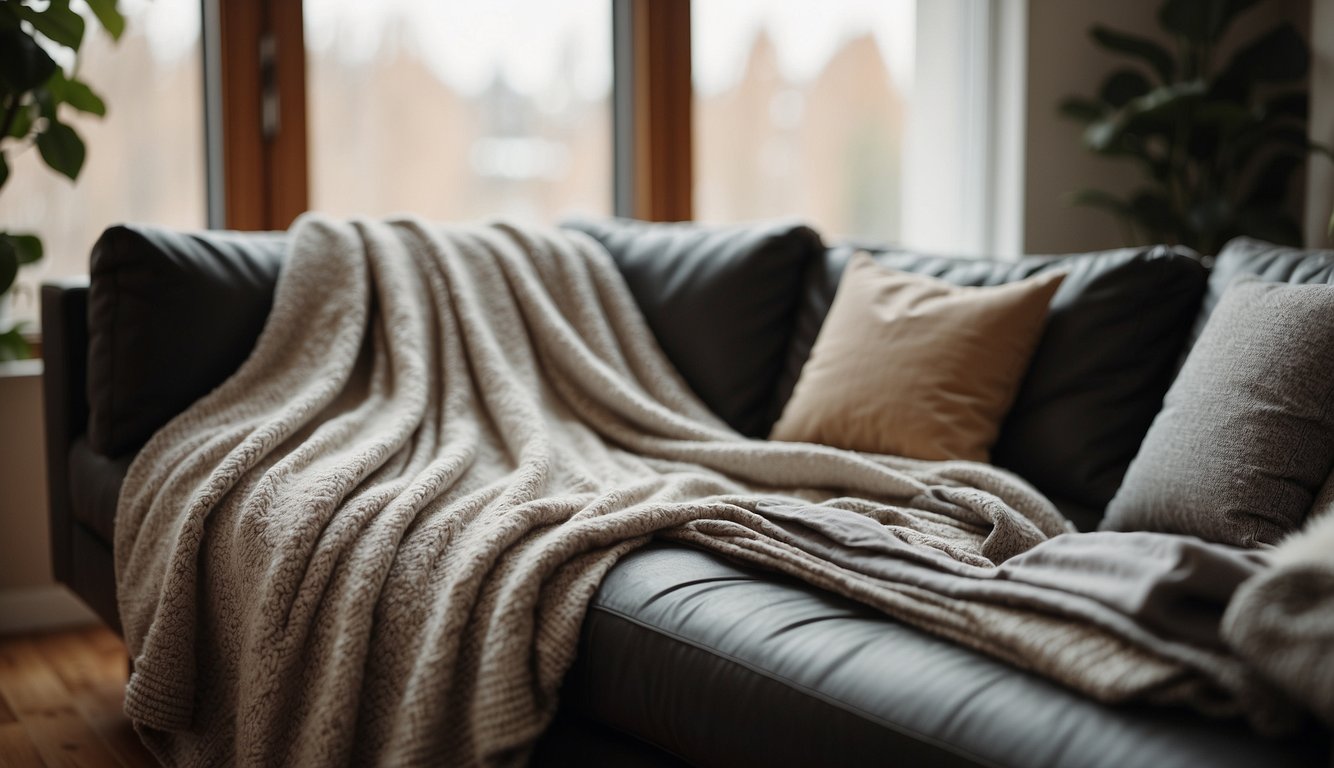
pixel 720 300
pixel 724 666
pixel 1114 333
pixel 170 316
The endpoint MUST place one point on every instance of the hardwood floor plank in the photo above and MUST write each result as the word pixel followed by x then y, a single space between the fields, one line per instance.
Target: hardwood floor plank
pixel 16 749
pixel 46 710
pixel 6 716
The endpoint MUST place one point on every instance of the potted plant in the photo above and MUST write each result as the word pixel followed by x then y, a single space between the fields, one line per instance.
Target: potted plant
pixel 1218 140
pixel 34 89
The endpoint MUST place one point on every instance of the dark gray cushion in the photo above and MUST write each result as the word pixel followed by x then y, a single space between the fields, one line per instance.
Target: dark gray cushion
pixel 720 300
pixel 724 665
pixel 1246 435
pixel 1114 334
pixel 170 316
pixel 1273 263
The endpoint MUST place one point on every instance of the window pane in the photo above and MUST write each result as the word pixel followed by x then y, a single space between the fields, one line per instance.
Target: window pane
pixel 460 110
pixel 145 159
pixel 801 109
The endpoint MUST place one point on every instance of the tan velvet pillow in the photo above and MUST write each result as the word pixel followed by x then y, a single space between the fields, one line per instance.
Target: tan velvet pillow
pixel 914 366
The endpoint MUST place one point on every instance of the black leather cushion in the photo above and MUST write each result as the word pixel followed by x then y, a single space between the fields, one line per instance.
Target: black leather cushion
pixel 1272 263
pixel 95 482
pixel 170 316
pixel 724 666
pixel 1114 332
pixel 720 300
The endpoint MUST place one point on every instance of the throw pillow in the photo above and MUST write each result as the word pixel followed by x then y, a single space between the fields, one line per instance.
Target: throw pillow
pixel 1246 435
pixel 914 366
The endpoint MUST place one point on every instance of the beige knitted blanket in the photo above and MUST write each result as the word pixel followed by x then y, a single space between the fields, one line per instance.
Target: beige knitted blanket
pixel 375 543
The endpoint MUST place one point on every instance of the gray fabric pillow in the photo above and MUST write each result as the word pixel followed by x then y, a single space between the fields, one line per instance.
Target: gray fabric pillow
pixel 1246 435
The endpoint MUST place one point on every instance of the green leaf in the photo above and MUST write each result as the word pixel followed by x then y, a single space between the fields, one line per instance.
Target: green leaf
pixel 81 97
pixel 110 17
pixel 1154 54
pixel 62 149
pixel 1278 56
pixel 1154 113
pixel 1294 104
pixel 1270 187
pixel 1081 109
pixel 9 266
pixel 13 346
pixel 57 21
pixel 22 122
pixel 23 63
pixel 1122 86
pixel 1200 21
pixel 28 248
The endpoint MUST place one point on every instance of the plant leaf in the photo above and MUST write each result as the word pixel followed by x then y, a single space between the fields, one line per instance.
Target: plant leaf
pixel 23 63
pixel 4 169
pixel 62 149
pixel 1294 104
pixel 110 17
pixel 57 21
pixel 28 248
pixel 1154 54
pixel 1201 21
pixel 22 122
pixel 81 97
pixel 1122 86
pixel 1153 113
pixel 1270 186
pixel 1278 56
pixel 13 346
pixel 9 266
pixel 1081 109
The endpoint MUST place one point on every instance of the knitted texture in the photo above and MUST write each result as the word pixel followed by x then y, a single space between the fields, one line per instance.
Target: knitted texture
pixel 375 543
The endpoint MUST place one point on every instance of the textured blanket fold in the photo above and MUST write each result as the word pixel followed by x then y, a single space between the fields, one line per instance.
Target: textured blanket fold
pixel 375 543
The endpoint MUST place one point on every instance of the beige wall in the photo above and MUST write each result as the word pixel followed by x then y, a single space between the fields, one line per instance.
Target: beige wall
pixel 1063 61
pixel 25 550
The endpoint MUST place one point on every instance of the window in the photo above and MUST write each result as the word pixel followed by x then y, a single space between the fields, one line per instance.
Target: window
pixel 460 110
pixel 871 119
pixel 145 159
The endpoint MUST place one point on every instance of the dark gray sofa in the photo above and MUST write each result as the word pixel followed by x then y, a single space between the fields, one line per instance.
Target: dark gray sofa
pixel 685 657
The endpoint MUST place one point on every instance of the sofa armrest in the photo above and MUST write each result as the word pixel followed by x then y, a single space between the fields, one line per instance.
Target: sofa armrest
pixel 65 402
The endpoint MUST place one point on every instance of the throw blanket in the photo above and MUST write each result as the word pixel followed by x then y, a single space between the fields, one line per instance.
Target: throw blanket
pixel 375 543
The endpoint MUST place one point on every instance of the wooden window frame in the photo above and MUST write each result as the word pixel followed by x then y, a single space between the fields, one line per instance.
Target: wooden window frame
pixel 262 81
pixel 259 78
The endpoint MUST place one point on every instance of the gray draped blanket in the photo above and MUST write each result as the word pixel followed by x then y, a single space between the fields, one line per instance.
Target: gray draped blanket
pixel 375 543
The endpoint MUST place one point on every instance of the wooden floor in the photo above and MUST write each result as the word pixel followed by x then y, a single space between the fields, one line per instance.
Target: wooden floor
pixel 61 697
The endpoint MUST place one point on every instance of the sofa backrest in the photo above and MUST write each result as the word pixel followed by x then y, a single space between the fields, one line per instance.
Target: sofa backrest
pixel 170 316
pixel 1106 357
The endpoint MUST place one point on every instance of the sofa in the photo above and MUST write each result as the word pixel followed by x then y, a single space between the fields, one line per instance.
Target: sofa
pixel 686 658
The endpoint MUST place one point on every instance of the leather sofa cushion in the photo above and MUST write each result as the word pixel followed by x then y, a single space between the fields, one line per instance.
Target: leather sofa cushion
pixel 170 316
pixel 1114 333
pixel 725 666
pixel 1271 263
pixel 95 483
pixel 720 300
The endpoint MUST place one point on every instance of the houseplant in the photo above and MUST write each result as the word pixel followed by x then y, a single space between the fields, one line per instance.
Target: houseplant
pixel 33 90
pixel 1218 139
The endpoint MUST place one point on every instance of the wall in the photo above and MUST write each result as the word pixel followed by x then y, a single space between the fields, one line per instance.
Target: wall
pixel 1063 61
